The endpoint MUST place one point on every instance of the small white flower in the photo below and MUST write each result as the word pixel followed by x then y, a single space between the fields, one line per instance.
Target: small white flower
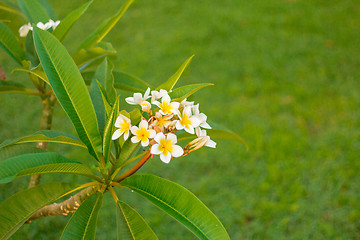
pixel 185 103
pixel 202 117
pixel 24 29
pixel 54 24
pixel 155 95
pixel 43 26
pixel 142 133
pixel 187 121
pixel 124 124
pixel 206 140
pixel 166 106
pixel 137 98
pixel 165 147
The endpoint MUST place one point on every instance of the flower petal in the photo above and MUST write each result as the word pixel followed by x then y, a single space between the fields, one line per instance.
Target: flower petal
pixel 126 135
pixel 177 151
pixel 210 143
pixel 195 122
pixel 145 143
pixel 172 137
pixel 165 158
pixel 116 134
pixel 134 129
pixel 166 98
pixel 159 136
pixel 196 109
pixel 155 149
pixel 152 133
pixel 189 130
pixel 143 124
pixel 205 125
pixel 187 111
pixel 130 100
pixel 178 125
pixel 138 98
pixel 134 139
pixel 146 95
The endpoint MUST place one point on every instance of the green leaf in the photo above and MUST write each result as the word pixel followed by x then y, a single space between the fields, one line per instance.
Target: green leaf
pixel 183 92
pixel 109 130
pixel 48 8
pixel 34 11
pixel 15 210
pixel 69 88
pixel 66 24
pixel 10 9
pixel 122 81
pixel 179 203
pixel 170 83
pixel 85 58
pixel 10 44
pixel 104 75
pixel 82 224
pixel 102 92
pixel 131 225
pixel 11 87
pixel 15 150
pixel 130 83
pixel 31 52
pixel 39 163
pixel 98 102
pixel 37 72
pixel 46 136
pixel 104 28
pixel 104 98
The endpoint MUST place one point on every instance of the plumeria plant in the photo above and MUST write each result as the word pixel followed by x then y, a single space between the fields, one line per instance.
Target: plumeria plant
pixel 162 125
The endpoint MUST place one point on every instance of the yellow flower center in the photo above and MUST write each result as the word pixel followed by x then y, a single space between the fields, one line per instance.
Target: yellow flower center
pixel 165 107
pixel 125 126
pixel 142 134
pixel 166 146
pixel 161 121
pixel 185 121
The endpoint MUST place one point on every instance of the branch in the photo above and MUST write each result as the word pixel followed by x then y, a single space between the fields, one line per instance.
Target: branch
pixel 68 206
pixel 45 124
pixel 134 168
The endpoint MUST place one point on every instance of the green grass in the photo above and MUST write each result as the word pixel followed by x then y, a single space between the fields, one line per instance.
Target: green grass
pixel 286 77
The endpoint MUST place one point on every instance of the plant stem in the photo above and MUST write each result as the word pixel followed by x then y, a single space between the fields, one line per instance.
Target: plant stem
pixel 135 168
pixel 68 206
pixel 48 103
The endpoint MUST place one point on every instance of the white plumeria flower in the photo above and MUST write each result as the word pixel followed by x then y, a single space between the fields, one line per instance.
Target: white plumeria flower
pixel 54 24
pixel 202 117
pixel 185 103
pixel 155 95
pixel 187 121
pixel 165 147
pixel 142 133
pixel 206 141
pixel 24 29
pixel 43 26
pixel 124 124
pixel 162 121
pixel 137 98
pixel 166 106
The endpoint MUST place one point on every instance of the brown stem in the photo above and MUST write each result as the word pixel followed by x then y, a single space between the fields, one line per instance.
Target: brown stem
pixel 48 103
pixel 68 206
pixel 134 168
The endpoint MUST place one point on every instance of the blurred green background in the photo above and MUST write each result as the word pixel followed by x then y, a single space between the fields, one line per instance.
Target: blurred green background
pixel 286 75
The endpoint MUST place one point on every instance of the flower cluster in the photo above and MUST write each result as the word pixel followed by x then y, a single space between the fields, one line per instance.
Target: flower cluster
pixel 24 30
pixel 165 118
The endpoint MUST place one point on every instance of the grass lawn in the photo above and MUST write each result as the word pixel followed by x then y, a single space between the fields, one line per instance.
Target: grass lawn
pixel 286 75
